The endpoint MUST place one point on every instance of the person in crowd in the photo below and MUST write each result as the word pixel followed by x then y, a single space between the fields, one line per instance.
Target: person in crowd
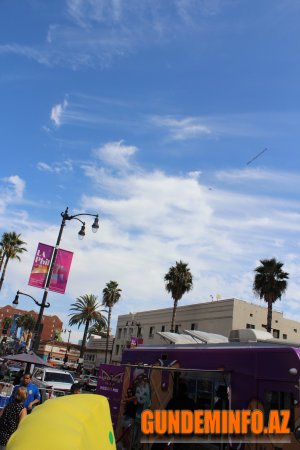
pixel 130 408
pixel 130 405
pixel 18 377
pixel 75 388
pixel 12 415
pixel 222 394
pixel 4 371
pixel 143 401
pixel 181 400
pixel 33 397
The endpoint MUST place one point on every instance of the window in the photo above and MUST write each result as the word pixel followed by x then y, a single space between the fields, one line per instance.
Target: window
pixel 250 325
pixel 251 315
pixel 125 332
pixel 275 400
pixel 58 377
pixel 284 336
pixel 276 334
pixel 276 321
pixel 130 331
pixel 177 328
pixel 163 327
pixel 151 332
pixel 139 332
pixel 38 375
pixel 202 386
pixel 295 329
pixel 119 333
pixel 117 349
pixel 193 326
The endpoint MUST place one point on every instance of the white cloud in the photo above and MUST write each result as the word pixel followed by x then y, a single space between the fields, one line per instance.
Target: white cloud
pixel 150 219
pixel 11 191
pixel 18 185
pixel 255 174
pixel 57 112
pixel 116 154
pixel 186 128
pixel 64 166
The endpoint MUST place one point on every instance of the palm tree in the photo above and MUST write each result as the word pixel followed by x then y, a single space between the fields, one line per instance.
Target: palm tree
pixel 12 246
pixel 85 313
pixel 1 256
pixel 179 280
pixel 6 324
pixel 270 284
pixel 27 322
pixel 111 295
pixel 99 328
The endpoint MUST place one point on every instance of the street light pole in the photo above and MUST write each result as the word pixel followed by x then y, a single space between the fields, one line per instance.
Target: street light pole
pixel 66 355
pixel 16 302
pixel 65 216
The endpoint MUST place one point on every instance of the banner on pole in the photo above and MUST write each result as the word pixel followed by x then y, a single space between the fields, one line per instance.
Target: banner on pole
pixel 60 274
pixel 41 265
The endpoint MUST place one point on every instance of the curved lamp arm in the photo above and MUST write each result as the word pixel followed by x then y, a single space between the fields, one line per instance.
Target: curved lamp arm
pixel 16 300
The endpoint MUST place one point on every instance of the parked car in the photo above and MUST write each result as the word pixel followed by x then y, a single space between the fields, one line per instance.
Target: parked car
pixel 91 383
pixel 59 380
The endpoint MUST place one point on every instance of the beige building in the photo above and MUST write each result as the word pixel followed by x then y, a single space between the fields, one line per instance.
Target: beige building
pixel 94 353
pixel 60 353
pixel 214 317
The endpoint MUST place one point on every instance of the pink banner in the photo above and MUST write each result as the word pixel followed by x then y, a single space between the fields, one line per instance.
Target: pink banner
pixel 40 266
pixel 61 271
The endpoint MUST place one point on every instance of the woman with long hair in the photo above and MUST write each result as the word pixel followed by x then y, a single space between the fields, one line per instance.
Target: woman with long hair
pixel 12 415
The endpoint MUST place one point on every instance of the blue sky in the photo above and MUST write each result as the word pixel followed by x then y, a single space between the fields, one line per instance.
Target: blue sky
pixel 148 112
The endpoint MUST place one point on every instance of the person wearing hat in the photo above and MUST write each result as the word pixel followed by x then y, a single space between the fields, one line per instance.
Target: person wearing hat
pixel 222 394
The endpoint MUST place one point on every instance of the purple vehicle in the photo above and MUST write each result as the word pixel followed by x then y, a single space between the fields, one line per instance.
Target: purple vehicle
pixel 257 375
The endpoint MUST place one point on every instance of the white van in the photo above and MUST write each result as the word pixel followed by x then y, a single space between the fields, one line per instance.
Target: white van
pixel 58 380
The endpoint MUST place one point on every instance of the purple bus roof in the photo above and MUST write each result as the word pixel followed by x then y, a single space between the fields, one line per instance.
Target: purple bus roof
pixel 262 360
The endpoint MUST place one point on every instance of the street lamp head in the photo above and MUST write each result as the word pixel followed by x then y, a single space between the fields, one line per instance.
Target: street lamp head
pixel 81 233
pixel 16 300
pixel 95 226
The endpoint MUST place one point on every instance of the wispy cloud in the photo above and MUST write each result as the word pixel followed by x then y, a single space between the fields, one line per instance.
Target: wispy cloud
pixel 272 177
pixel 64 166
pixel 96 32
pixel 185 128
pixel 57 112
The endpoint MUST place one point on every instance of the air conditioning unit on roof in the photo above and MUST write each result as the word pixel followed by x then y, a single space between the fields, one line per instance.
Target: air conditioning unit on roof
pixel 250 335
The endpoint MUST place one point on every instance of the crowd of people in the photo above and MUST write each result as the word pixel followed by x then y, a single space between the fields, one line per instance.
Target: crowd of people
pixel 24 398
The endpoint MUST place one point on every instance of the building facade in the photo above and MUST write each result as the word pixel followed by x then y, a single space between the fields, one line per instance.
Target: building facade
pixel 60 353
pixel 49 323
pixel 94 353
pixel 213 317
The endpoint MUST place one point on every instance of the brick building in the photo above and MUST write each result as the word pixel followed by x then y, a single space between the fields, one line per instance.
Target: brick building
pixel 49 323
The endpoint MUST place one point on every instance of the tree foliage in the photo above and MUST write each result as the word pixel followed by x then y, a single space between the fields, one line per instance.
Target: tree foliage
pixel 178 281
pixel 270 283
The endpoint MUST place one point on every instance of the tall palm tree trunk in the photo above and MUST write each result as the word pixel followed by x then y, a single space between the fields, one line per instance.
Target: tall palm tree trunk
pixel 1 261
pixel 3 272
pixel 173 316
pixel 86 329
pixel 107 334
pixel 269 315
